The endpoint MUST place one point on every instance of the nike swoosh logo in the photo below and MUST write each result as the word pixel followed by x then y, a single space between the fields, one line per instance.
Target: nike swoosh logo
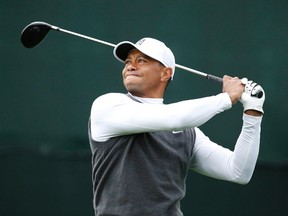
pixel 176 132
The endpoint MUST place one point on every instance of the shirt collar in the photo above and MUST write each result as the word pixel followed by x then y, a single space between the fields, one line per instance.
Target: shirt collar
pixel 148 100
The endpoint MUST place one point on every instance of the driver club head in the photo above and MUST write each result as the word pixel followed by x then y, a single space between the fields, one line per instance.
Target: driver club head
pixel 34 33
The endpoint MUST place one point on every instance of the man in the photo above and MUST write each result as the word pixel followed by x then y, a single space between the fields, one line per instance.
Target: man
pixel 142 148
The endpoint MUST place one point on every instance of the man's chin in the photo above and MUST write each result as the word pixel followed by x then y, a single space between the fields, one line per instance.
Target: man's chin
pixel 131 81
pixel 133 89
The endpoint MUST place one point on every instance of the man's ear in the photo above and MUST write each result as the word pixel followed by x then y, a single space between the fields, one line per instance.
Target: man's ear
pixel 166 74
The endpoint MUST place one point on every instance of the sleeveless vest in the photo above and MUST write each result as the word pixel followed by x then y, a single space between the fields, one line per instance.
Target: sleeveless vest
pixel 141 174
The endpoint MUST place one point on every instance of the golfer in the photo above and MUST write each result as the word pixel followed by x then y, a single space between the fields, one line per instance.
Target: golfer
pixel 142 148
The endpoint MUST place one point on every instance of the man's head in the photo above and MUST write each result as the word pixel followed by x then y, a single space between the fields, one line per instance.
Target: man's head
pixel 149 66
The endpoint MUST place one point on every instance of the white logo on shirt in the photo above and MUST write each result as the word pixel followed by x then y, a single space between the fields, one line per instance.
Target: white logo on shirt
pixel 176 132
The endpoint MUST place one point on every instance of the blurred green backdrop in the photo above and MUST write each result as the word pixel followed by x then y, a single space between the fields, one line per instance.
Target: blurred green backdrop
pixel 46 94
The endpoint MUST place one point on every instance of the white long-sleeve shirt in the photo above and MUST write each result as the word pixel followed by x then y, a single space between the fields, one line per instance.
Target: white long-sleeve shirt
pixel 115 114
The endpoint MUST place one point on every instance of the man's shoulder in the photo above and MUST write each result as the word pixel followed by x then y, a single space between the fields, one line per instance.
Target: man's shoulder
pixel 111 95
pixel 111 98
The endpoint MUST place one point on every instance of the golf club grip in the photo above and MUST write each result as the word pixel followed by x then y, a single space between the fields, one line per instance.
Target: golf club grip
pixel 220 80
pixel 215 78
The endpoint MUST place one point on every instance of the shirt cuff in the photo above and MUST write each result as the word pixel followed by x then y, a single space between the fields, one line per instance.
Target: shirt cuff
pixel 252 119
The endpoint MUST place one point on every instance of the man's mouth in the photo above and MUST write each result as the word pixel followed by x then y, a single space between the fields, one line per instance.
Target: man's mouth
pixel 132 74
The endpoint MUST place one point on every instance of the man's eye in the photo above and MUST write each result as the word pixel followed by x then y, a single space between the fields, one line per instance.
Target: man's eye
pixel 127 62
pixel 141 60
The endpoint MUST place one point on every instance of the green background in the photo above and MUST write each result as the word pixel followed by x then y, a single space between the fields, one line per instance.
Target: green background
pixel 46 94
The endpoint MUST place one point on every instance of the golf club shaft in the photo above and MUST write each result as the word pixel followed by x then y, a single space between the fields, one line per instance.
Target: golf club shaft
pixel 82 36
pixel 208 76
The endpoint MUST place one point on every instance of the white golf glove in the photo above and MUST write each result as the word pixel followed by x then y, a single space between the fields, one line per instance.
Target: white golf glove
pixel 253 96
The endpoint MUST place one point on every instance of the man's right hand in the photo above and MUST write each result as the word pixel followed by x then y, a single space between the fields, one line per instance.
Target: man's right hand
pixel 234 87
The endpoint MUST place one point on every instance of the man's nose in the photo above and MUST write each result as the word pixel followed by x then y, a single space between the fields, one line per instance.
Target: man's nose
pixel 131 66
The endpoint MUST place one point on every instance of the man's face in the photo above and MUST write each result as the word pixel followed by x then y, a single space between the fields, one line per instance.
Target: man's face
pixel 142 74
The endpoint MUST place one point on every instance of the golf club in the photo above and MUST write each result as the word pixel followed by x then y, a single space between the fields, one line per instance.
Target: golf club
pixel 35 32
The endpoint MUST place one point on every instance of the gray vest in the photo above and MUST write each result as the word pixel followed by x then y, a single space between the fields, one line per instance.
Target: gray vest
pixel 141 174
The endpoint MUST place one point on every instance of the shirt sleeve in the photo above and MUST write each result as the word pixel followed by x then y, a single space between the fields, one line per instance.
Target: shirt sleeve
pixel 218 162
pixel 115 114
